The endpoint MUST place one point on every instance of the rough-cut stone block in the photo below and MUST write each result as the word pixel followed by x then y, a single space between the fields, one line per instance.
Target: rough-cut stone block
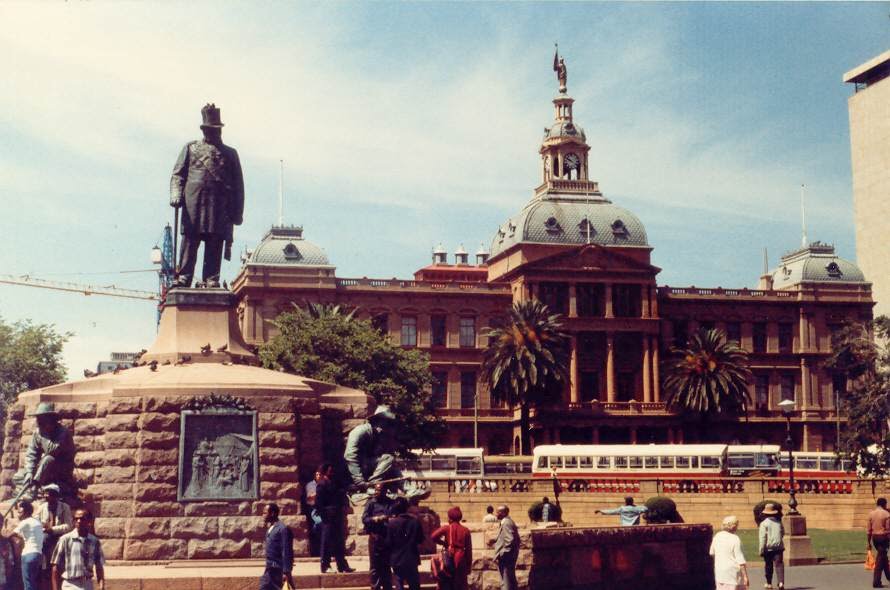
pixel 301 548
pixel 68 410
pixel 217 509
pixel 9 460
pixel 120 440
pixel 218 549
pixel 120 423
pixel 271 490
pixel 113 549
pixel 148 528
pixel 237 527
pixel 111 528
pixel 277 439
pixel 158 440
pixel 89 426
pixel 16 412
pixel 156 550
pixel 155 492
pixel 166 509
pixel 84 477
pixel 112 474
pixel 165 405
pixel 157 474
pixel 91 459
pixel 120 457
pixel 178 584
pixel 124 405
pixel 157 422
pixel 287 506
pixel 86 444
pixel 112 491
pixel 194 528
pixel 12 428
pixel 278 457
pixel 257 551
pixel 114 509
pixel 276 473
pixel 157 457
pixel 275 421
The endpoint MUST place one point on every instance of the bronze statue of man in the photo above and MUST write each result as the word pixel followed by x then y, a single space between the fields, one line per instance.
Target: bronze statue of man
pixel 49 458
pixel 208 186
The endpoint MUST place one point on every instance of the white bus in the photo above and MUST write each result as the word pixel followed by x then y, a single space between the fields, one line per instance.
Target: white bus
pixel 639 461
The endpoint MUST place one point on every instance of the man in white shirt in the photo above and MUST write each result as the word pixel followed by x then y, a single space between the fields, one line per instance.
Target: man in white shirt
pixel 730 572
pixel 30 529
pixel 56 518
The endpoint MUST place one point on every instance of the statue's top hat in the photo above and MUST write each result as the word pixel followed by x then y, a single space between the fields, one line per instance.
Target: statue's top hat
pixel 45 409
pixel 210 116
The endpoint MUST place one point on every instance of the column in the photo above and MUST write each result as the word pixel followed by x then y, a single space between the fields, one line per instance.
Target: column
pixel 574 393
pixel 645 293
pixel 647 371
pixel 804 384
pixel 452 390
pixel 608 293
pixel 804 332
pixel 656 382
pixel 610 367
pixel 573 301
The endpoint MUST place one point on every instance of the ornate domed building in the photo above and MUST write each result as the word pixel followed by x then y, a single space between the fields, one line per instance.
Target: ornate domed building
pixel 589 259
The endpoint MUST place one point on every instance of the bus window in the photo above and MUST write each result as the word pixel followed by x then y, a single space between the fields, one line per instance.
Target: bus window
pixel 469 466
pixel 828 464
pixel 666 462
pixel 682 462
pixel 542 462
pixel 783 461
pixel 650 462
pixel 585 462
pixel 604 463
pixel 620 462
pixel 710 462
pixel 806 463
pixel 693 462
pixel 555 462
pixel 846 465
pixel 571 462
pixel 739 460
pixel 765 460
pixel 442 463
pixel 636 462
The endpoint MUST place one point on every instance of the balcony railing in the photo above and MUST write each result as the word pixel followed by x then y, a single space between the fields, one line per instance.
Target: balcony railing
pixel 721 292
pixel 470 412
pixel 432 285
pixel 632 407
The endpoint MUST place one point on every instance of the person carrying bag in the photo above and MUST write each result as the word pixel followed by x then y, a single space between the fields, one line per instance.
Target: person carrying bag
pixel 451 565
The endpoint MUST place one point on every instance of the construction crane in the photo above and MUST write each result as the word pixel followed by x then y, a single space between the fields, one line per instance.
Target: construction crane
pixel 109 290
pixel 163 256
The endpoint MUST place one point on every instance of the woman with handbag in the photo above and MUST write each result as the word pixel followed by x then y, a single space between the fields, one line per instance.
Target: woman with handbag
pixel 451 566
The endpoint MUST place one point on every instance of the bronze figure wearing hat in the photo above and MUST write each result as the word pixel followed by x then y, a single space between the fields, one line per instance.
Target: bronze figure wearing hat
pixel 208 186
pixel 49 458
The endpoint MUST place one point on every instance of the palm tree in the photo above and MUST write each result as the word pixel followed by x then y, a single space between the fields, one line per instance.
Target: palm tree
pixel 526 361
pixel 323 310
pixel 710 376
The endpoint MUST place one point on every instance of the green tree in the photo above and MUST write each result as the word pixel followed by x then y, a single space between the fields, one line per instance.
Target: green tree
pixel 329 344
pixel 708 377
pixel 526 361
pixel 30 358
pixel 860 353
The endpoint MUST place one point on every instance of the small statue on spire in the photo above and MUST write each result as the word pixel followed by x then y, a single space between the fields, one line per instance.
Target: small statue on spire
pixel 559 66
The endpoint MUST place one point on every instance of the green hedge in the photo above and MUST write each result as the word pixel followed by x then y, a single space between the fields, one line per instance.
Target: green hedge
pixel 758 509
pixel 662 510
pixel 534 512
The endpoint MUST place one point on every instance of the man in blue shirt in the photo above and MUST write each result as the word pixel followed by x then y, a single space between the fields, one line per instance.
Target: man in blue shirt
pixel 629 515
pixel 279 546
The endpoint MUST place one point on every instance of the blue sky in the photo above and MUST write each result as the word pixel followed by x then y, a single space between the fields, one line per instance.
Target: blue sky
pixel 403 125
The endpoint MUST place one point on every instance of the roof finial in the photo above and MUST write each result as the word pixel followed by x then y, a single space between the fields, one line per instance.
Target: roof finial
pixel 281 193
pixel 803 217
pixel 765 262
pixel 559 66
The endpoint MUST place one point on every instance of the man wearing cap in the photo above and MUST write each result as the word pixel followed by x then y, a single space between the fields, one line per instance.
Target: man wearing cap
pixel 56 518
pixel 208 185
pixel 370 449
pixel 50 454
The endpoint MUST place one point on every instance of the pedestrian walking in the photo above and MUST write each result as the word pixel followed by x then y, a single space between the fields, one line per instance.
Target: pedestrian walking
pixel 506 549
pixel 278 547
pixel 378 511
pixel 78 557
pixel 456 539
pixel 730 572
pixel 330 504
pixel 314 517
pixel 879 538
pixel 489 517
pixel 57 521
pixel 404 536
pixel 30 530
pixel 772 548
pixel 629 514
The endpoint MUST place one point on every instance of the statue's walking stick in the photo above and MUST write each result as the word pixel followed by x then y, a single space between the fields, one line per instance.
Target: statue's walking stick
pixel 175 243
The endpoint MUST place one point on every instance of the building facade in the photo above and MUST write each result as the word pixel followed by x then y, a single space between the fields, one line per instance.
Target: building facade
pixel 870 157
pixel 588 259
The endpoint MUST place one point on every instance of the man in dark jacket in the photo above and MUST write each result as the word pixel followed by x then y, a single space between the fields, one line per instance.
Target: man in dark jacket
pixel 207 180
pixel 330 503
pixel 404 536
pixel 377 513
pixel 279 549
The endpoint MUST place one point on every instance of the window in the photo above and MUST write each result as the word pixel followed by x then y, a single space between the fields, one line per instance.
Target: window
pixel 829 464
pixel 620 462
pixel 468 389
pixel 409 331
pixel 666 462
pixel 542 462
pixel 469 466
pixel 809 463
pixel 555 296
pixel 442 462
pixel 468 332
pixel 627 301
pixel 734 332
pixel 585 462
pixel 438 332
pixel 682 462
pixel 681 333
pixel 636 462
pixel 603 463
pixel 590 300
pixel 440 389
pixel 786 338
pixel 589 385
pixel 761 391
pixel 571 462
pixel 710 462
pixel 380 321
pixel 650 462
pixel 759 335
pixel 626 386
pixel 556 462
pixel 788 387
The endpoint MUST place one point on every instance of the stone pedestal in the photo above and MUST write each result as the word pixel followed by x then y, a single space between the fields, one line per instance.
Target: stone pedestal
pixel 798 545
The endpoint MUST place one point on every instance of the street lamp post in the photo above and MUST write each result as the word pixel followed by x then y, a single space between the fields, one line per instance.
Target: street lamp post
pixel 787 407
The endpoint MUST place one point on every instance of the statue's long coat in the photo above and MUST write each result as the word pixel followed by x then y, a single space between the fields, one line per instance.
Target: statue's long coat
pixel 208 179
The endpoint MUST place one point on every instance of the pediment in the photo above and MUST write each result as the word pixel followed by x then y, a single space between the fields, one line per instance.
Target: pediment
pixel 592 258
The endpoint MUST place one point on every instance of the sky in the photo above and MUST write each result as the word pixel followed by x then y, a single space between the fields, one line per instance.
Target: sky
pixel 403 125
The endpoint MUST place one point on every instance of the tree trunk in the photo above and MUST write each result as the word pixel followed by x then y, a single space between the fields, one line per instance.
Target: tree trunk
pixel 524 438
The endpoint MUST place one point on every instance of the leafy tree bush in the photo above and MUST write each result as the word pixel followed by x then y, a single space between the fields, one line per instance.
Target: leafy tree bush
pixel 535 512
pixel 758 510
pixel 329 344
pixel 661 510
pixel 30 358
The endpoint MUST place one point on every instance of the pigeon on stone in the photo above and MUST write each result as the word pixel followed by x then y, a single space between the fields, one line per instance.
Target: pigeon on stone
pixel 87 373
pixel 153 365
pixel 205 350
pixel 223 348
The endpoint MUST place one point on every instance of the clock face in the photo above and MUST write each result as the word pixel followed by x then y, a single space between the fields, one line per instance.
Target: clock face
pixel 572 162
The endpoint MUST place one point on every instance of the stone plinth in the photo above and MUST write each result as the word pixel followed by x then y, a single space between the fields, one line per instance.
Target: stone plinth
pixel 798 545
pixel 631 558
pixel 193 319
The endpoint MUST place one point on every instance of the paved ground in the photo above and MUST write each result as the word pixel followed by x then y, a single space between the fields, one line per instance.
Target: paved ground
pixel 818 577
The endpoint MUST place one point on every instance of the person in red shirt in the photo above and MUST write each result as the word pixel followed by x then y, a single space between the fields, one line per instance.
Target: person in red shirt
pixel 879 538
pixel 456 538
